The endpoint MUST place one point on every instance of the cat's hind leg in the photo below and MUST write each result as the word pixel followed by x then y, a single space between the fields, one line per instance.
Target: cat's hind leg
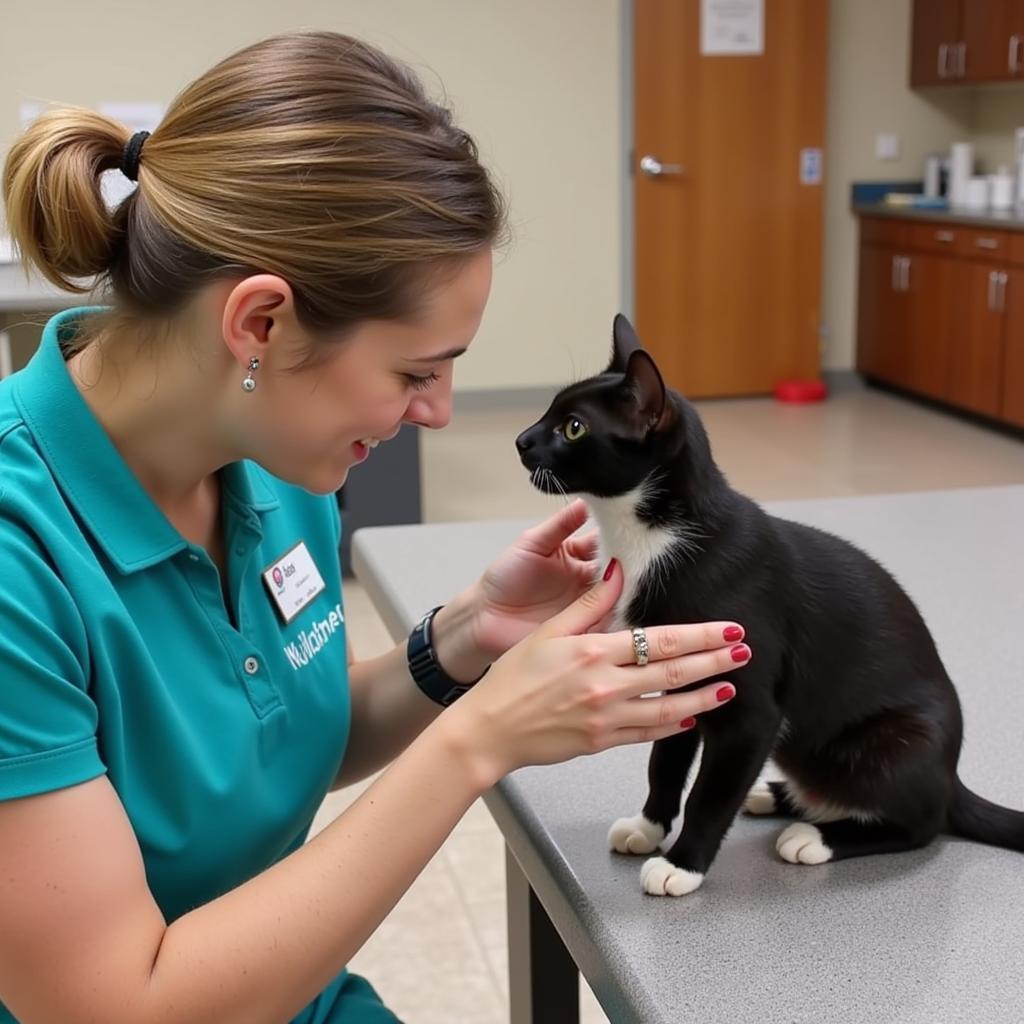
pixel 667 771
pixel 805 843
pixel 770 799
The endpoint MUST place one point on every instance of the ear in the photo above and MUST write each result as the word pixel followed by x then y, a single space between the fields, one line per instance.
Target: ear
pixel 643 379
pixel 624 344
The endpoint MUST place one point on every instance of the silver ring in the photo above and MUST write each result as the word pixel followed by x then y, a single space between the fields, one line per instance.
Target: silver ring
pixel 641 652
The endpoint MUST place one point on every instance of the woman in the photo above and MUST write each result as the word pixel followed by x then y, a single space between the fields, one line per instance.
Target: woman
pixel 306 253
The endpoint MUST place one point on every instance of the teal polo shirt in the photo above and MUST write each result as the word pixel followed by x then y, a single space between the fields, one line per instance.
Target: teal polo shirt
pixel 122 652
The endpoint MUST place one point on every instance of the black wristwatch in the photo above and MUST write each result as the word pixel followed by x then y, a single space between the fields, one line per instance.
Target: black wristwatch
pixel 426 669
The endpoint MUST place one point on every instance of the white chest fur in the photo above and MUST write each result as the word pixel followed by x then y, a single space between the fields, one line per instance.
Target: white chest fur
pixel 640 548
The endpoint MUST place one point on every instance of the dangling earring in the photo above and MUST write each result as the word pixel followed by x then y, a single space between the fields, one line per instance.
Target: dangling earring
pixel 249 384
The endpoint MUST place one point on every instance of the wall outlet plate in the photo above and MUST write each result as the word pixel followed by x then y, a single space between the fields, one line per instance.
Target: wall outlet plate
pixel 887 146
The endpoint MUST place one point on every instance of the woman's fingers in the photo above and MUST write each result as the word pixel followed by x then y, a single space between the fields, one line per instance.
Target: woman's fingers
pixel 656 718
pixel 546 537
pixel 585 547
pixel 668 642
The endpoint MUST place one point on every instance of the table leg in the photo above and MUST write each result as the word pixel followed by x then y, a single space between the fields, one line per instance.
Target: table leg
pixel 543 980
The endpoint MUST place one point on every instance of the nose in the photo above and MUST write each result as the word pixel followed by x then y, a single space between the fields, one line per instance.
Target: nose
pixel 526 445
pixel 524 442
pixel 433 409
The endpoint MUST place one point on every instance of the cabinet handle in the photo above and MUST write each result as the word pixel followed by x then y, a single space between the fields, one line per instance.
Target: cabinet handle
pixel 906 274
pixel 987 243
pixel 961 60
pixel 895 273
pixel 944 236
pixel 1003 278
pixel 993 290
pixel 1014 54
pixel 943 59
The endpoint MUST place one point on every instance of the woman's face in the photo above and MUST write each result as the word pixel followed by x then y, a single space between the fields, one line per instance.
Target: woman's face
pixel 317 422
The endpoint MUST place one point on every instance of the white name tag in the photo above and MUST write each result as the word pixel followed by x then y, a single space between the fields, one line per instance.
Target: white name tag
pixel 293 581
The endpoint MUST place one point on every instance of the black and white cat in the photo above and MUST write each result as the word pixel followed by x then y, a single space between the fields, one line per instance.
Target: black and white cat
pixel 845 691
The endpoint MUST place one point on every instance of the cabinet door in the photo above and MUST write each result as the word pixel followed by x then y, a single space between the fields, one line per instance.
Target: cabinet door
pixel 987 28
pixel 934 35
pixel 880 314
pixel 1015 48
pixel 976 360
pixel 930 283
pixel 1013 364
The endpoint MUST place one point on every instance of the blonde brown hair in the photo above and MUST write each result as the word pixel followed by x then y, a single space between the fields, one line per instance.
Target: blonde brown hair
pixel 310 155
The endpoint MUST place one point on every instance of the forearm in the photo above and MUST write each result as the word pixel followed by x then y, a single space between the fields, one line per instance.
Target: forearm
pixel 388 709
pixel 263 951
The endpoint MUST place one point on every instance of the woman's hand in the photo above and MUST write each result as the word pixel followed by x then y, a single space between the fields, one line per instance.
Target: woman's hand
pixel 562 692
pixel 543 572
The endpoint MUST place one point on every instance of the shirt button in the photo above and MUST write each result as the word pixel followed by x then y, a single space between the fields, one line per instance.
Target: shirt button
pixel 193 557
pixel 251 665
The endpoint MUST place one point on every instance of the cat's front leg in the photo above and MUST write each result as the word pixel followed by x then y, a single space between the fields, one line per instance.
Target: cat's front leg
pixel 667 770
pixel 731 762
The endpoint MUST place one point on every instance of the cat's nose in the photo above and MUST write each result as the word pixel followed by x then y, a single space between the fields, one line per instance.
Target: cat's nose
pixel 524 442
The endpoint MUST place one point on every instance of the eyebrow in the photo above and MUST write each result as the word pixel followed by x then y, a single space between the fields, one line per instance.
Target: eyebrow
pixel 452 353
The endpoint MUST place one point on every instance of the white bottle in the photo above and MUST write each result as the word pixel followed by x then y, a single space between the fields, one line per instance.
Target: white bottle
pixel 961 169
pixel 1019 149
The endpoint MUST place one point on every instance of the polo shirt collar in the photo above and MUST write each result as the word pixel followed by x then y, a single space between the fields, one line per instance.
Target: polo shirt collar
pixel 105 493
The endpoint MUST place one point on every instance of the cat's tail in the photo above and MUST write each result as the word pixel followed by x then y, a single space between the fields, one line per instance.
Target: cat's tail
pixel 974 817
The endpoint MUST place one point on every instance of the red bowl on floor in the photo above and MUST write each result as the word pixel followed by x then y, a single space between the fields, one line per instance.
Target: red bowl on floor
pixel 797 390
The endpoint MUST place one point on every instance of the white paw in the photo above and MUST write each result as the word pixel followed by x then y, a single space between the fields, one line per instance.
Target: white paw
pixel 635 835
pixel 760 800
pixel 660 877
pixel 802 844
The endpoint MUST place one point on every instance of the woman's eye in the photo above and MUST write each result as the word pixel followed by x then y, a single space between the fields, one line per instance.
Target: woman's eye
pixel 574 429
pixel 422 383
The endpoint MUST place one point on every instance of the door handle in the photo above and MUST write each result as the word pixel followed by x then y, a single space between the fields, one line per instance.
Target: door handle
pixel 1014 59
pixel 654 168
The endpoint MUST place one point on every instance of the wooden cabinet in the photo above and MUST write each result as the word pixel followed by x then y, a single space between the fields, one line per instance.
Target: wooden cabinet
pixel 934 41
pixel 977 363
pixel 941 313
pixel 966 41
pixel 1013 363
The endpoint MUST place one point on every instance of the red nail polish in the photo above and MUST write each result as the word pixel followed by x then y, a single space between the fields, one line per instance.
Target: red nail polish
pixel 725 693
pixel 687 723
pixel 741 652
pixel 732 633
pixel 608 572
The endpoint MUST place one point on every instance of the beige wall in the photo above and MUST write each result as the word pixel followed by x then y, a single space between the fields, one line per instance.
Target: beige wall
pixel 536 82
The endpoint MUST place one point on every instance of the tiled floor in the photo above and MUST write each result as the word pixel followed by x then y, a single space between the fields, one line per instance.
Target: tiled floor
pixel 440 958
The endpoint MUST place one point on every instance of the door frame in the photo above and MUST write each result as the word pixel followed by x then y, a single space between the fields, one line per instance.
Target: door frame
pixel 627 298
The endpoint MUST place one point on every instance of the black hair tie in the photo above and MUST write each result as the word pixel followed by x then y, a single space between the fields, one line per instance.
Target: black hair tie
pixel 131 154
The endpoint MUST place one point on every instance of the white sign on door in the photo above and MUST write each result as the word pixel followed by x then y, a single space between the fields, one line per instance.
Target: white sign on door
pixel 731 27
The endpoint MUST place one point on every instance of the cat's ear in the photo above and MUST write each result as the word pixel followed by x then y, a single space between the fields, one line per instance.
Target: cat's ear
pixel 643 379
pixel 624 344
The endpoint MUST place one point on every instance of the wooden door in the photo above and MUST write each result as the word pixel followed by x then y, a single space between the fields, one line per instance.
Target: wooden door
pixel 929 337
pixel 728 250
pixel 1013 363
pixel 934 34
pixel 986 31
pixel 976 364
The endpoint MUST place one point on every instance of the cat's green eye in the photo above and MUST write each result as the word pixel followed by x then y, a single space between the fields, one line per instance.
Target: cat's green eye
pixel 574 428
